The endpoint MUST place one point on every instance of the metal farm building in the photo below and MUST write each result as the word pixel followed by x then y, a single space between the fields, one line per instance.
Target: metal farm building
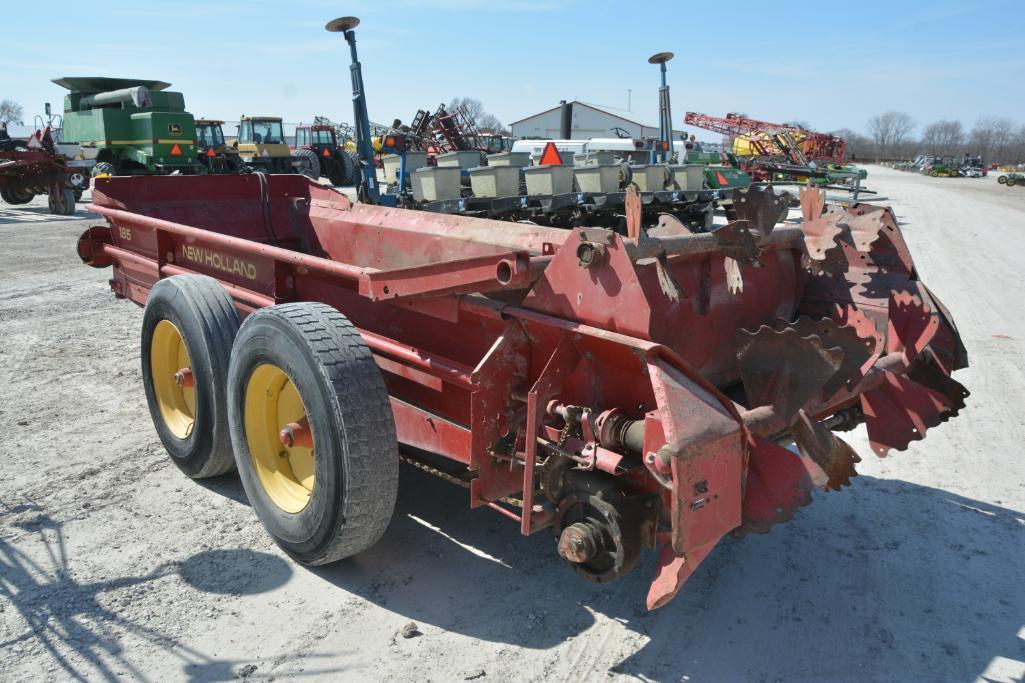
pixel 589 121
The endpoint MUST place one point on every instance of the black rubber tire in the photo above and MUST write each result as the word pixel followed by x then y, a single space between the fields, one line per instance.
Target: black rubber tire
pixel 1011 181
pixel 310 163
pixel 205 314
pixel 338 171
pixel 357 462
pixel 16 197
pixel 348 162
pixel 104 167
pixel 1002 179
pixel 61 201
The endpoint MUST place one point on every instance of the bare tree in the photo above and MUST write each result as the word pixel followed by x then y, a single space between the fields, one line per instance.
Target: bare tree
pixel 890 131
pixel 943 138
pixel 476 113
pixel 11 112
pixel 1017 155
pixel 492 123
pixel 859 147
pixel 797 123
pixel 991 138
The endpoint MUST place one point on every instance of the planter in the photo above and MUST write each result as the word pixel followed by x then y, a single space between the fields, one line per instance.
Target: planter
pixel 604 178
pixel 548 180
pixel 517 159
pixel 391 162
pixel 495 181
pixel 434 183
pixel 650 177
pixel 464 160
pixel 688 176
pixel 601 158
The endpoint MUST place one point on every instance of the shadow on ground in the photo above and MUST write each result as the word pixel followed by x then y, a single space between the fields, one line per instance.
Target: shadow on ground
pixel 39 214
pixel 79 624
pixel 885 580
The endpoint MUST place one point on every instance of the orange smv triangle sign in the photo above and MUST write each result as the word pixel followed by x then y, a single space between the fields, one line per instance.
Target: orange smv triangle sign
pixel 550 156
pixel 176 151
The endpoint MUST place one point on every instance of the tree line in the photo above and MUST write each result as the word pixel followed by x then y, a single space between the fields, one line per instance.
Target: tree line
pixel 891 137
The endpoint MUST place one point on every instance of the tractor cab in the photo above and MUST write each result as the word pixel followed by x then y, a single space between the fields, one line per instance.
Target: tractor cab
pixel 318 137
pixel 320 155
pixel 262 147
pixel 210 136
pixel 212 150
pixel 494 143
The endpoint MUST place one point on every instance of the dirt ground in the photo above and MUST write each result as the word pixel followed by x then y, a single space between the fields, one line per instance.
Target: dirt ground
pixel 113 565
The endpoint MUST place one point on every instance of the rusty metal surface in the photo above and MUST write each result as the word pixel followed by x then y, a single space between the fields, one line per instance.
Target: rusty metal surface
pixel 779 482
pixel 737 242
pixel 669 225
pixel 813 202
pixel 858 351
pixel 902 411
pixel 784 370
pixel 826 449
pixel 633 212
pixel 761 207
pixel 822 243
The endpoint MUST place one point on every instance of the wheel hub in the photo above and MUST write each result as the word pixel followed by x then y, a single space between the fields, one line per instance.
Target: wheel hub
pixel 280 439
pixel 169 357
pixel 599 527
pixel 580 542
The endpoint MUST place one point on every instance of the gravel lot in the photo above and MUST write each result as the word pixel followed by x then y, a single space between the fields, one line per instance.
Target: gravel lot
pixel 113 565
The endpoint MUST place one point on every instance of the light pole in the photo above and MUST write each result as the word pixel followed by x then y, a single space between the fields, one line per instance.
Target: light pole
pixel 665 117
pixel 367 180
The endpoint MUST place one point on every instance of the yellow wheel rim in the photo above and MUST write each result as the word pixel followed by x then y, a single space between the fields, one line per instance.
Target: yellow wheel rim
pixel 286 472
pixel 168 355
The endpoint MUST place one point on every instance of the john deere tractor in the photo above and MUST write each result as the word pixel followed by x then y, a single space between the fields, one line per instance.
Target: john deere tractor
pixel 262 147
pixel 129 126
pixel 317 146
pixel 213 153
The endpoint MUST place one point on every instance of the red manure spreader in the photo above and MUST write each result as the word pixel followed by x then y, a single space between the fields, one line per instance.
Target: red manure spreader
pixel 624 390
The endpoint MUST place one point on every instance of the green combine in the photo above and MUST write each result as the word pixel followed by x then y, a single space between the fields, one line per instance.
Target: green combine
pixel 129 126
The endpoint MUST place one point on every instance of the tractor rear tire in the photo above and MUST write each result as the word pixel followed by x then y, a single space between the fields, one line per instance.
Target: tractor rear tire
pixel 330 493
pixel 1002 180
pixel 345 173
pixel 1012 181
pixel 190 322
pixel 310 166
pixel 954 173
pixel 104 168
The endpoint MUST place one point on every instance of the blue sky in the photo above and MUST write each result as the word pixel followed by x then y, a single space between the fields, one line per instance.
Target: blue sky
pixel 835 65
